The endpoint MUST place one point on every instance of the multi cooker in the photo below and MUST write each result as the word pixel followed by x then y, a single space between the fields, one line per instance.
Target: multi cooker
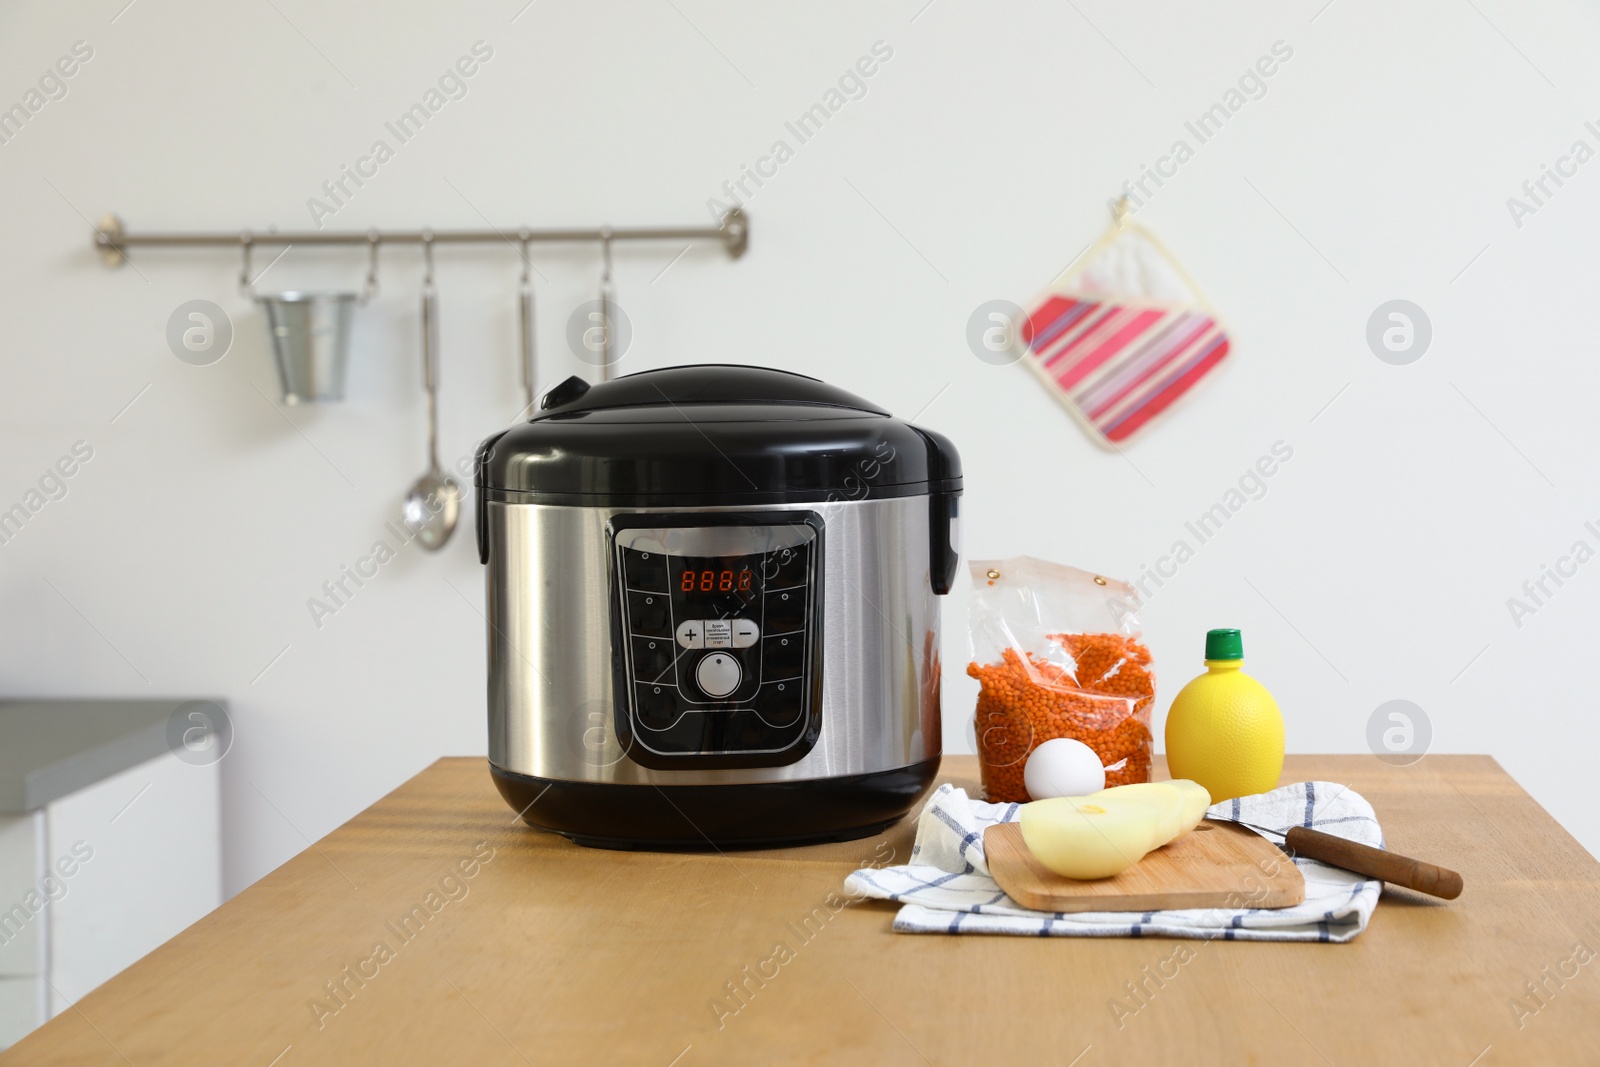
pixel 713 607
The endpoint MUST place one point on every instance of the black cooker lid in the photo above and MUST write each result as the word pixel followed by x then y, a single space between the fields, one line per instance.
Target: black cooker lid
pixel 712 434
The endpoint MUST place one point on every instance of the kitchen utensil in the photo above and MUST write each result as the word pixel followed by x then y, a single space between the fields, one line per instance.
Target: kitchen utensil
pixel 310 335
pixel 1372 862
pixel 608 297
pixel 309 332
pixel 433 503
pixel 525 334
pixel 713 608
pixel 1215 865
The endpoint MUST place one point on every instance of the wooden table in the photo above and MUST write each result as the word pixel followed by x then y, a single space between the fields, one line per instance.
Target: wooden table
pixel 558 954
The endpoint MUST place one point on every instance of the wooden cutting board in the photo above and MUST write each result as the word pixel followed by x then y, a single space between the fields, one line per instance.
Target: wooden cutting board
pixel 1215 865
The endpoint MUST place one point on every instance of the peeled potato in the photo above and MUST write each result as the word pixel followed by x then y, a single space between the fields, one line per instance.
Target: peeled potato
pixel 1090 837
pixel 1107 832
pixel 1165 802
pixel 1196 801
pixel 1191 798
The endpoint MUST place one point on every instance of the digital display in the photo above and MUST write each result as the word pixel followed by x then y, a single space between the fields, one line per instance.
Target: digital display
pixel 713 580
pixel 716 587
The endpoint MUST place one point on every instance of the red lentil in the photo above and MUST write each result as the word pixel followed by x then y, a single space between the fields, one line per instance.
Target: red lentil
pixel 1105 702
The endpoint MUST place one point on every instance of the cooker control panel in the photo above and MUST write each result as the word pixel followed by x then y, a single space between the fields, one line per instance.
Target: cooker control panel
pixel 718 651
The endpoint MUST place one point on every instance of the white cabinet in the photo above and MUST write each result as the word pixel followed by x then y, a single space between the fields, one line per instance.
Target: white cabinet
pixel 96 877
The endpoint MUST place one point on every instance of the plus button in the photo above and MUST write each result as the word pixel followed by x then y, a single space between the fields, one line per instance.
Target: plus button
pixel 691 634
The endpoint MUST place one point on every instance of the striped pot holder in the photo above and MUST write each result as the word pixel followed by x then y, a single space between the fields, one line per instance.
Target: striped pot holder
pixel 1123 334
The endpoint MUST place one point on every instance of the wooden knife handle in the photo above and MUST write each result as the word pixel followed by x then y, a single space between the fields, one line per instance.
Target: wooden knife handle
pixel 1374 862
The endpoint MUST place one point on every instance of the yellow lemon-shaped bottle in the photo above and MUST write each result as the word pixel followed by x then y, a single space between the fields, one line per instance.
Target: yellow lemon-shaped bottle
pixel 1224 729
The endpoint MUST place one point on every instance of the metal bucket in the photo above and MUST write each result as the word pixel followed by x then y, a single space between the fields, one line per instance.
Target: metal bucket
pixel 310 335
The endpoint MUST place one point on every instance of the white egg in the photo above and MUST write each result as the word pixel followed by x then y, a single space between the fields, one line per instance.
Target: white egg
pixel 1062 767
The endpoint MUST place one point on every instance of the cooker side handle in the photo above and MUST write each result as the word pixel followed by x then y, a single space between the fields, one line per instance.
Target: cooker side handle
pixel 480 496
pixel 944 539
pixel 944 510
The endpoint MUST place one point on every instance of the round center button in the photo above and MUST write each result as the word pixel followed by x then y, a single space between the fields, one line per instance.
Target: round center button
pixel 718 674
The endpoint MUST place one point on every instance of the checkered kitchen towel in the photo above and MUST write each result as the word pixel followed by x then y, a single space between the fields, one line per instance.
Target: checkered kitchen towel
pixel 946 889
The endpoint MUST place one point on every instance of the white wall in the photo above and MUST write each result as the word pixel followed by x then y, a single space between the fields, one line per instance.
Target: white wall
pixel 976 166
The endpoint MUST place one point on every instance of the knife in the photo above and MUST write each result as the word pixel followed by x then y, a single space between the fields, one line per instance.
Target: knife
pixel 1364 859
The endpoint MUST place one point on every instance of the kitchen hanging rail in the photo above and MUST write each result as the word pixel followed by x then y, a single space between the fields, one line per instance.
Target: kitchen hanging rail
pixel 112 239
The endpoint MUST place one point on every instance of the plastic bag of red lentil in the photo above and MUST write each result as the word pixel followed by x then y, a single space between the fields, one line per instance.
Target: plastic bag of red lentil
pixel 1056 654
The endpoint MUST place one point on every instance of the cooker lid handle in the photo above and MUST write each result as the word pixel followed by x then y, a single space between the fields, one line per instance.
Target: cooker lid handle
pixel 564 393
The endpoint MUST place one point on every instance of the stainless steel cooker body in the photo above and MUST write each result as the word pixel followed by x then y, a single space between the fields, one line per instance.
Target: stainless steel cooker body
pixel 553 606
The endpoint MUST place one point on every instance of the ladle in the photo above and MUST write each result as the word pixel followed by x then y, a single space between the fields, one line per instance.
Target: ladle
pixel 434 503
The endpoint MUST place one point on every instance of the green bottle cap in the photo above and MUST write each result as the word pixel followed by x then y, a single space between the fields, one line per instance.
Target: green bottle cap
pixel 1224 644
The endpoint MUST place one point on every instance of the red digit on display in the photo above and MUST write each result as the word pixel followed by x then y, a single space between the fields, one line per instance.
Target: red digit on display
pixel 687 585
pixel 744 581
pixel 707 579
pixel 725 582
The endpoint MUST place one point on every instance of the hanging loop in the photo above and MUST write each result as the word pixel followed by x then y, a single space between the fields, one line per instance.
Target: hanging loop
pixel 369 288
pixel 246 282
pixel 525 237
